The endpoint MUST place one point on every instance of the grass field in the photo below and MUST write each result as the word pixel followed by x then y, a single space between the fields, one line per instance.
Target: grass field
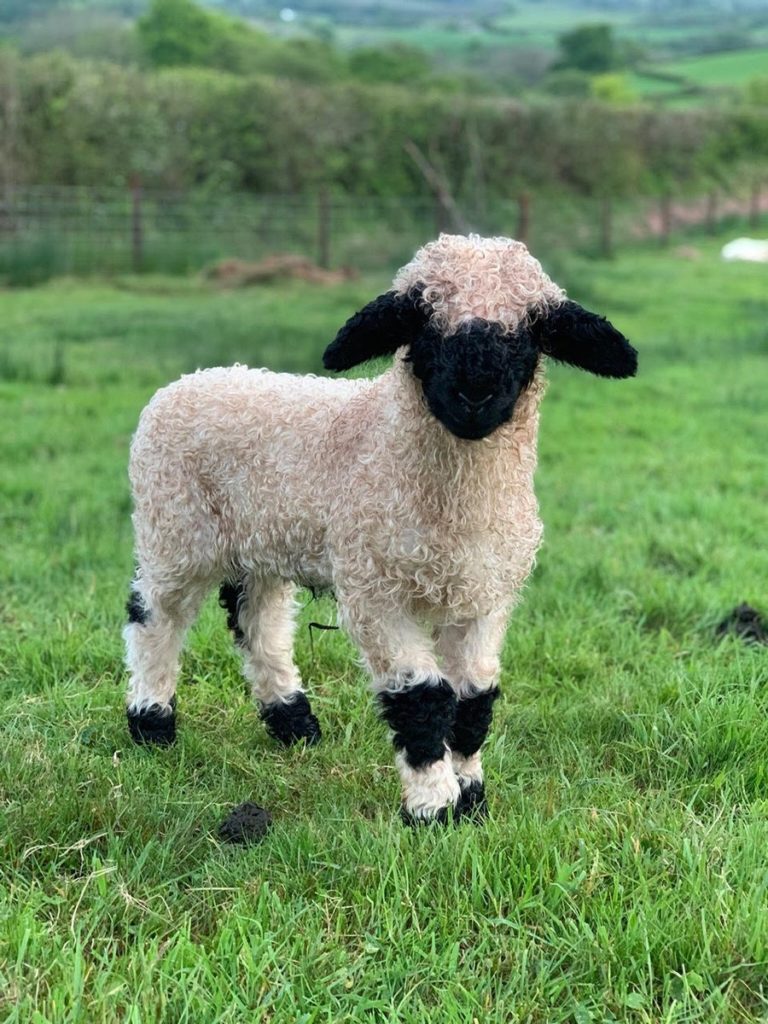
pixel 702 78
pixel 623 874
pixel 538 26
pixel 722 69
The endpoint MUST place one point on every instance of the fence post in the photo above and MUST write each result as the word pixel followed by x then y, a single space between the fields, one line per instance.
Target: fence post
pixel 440 217
pixel 524 217
pixel 755 195
pixel 324 229
pixel 137 226
pixel 606 227
pixel 711 214
pixel 665 211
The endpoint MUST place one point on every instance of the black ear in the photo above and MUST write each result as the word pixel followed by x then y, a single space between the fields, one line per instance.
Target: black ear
pixel 378 329
pixel 572 334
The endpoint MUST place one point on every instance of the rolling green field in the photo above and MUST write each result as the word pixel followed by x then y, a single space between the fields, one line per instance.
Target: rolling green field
pixel 623 874
pixel 529 25
pixel 538 26
pixel 722 69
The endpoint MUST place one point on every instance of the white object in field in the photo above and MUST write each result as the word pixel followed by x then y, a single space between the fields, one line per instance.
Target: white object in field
pixel 755 250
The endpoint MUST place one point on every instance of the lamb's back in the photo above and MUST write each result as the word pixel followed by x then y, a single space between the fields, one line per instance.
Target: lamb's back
pixel 237 454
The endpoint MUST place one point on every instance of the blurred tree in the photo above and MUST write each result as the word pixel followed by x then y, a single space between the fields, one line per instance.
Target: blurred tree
pixel 98 34
pixel 303 59
pixel 613 88
pixel 395 63
pixel 567 82
pixel 756 92
pixel 10 103
pixel 68 121
pixel 177 32
pixel 589 48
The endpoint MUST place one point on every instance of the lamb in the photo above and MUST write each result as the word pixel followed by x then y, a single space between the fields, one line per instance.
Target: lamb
pixel 410 496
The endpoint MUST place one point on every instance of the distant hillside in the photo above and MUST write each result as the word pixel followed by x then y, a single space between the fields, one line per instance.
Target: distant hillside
pixel 411 12
pixel 673 51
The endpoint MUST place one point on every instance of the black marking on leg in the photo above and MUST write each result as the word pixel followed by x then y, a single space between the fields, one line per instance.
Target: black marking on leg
pixel 421 718
pixel 232 598
pixel 246 823
pixel 473 720
pixel 291 720
pixel 136 609
pixel 472 802
pixel 155 724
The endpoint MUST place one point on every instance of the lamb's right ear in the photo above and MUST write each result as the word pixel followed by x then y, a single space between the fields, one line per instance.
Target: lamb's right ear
pixel 379 329
pixel 571 334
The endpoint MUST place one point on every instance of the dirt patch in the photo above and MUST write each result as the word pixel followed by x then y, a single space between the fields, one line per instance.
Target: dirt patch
pixel 235 273
pixel 246 823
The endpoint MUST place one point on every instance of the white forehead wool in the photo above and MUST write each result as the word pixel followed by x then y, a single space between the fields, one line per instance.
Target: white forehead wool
pixel 466 276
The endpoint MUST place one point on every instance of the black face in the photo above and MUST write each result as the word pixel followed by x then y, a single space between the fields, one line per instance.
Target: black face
pixel 473 378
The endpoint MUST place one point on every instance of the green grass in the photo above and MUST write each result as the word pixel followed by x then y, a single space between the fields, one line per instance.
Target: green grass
pixel 623 874
pixel 722 69
pixel 648 86
pixel 700 79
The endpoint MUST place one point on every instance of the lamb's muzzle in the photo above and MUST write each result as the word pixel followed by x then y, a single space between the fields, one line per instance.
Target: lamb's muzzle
pixel 410 496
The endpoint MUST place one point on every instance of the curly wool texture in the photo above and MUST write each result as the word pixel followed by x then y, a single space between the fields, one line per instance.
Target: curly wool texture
pixel 351 484
pixel 469 276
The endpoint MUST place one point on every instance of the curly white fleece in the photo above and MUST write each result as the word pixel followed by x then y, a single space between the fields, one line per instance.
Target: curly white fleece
pixel 467 276
pixel 426 539
pixel 351 484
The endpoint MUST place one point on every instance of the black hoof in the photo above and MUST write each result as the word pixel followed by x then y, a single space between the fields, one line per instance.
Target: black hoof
pixel 441 817
pixel 472 803
pixel 247 823
pixel 291 721
pixel 155 724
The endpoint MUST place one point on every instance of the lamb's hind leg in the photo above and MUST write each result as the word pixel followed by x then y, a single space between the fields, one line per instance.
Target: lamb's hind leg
pixel 470 655
pixel 418 705
pixel 158 618
pixel 260 613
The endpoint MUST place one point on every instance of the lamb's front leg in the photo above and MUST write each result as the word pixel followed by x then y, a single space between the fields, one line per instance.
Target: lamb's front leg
pixel 470 654
pixel 419 706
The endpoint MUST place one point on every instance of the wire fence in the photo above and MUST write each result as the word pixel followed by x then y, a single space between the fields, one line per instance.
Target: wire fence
pixel 46 232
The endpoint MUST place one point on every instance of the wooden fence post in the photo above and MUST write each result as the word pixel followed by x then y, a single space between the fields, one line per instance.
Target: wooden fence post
pixel 606 227
pixel 137 226
pixel 439 215
pixel 665 211
pixel 524 217
pixel 711 213
pixel 324 229
pixel 755 195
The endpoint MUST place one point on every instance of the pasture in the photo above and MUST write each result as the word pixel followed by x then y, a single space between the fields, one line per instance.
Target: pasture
pixel 623 874
pixel 722 69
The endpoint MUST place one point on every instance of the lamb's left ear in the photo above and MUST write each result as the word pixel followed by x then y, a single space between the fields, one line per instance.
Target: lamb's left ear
pixel 379 329
pixel 572 334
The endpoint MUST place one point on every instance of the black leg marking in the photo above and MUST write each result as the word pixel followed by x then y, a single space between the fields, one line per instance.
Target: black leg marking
pixel 154 724
pixel 472 802
pixel 421 718
pixel 232 599
pixel 291 720
pixel 136 609
pixel 473 720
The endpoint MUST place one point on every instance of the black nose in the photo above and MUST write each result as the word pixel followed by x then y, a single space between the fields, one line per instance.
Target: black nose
pixel 477 401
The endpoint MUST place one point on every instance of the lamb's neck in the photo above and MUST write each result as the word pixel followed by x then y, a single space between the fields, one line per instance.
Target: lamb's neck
pixel 464 473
